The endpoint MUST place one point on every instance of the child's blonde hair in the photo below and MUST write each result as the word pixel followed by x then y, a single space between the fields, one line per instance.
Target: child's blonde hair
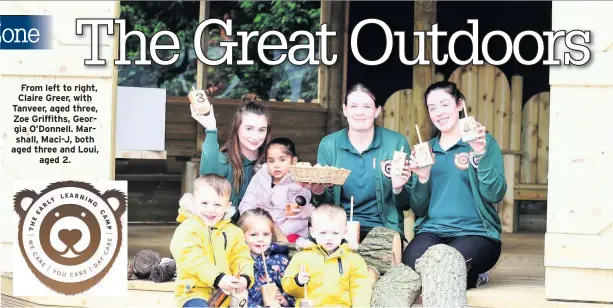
pixel 328 210
pixel 219 184
pixel 243 221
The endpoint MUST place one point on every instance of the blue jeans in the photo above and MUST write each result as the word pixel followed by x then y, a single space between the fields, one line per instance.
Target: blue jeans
pixel 196 302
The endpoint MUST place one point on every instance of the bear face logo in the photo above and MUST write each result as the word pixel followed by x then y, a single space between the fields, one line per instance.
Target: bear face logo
pixel 69 234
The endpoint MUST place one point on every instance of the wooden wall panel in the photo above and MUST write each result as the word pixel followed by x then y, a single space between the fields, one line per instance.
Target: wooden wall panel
pixel 305 124
pixel 579 210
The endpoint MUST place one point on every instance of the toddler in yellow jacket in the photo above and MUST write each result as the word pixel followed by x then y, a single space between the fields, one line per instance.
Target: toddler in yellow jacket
pixel 208 249
pixel 335 275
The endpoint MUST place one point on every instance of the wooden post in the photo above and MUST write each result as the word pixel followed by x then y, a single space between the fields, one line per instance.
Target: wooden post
pixel 423 75
pixel 509 211
pixel 542 144
pixel 517 101
pixel 578 253
pixel 201 75
pixel 322 82
pixel 335 80
pixel 502 104
pixel 485 98
pixel 190 174
pixel 346 51
pixel 529 139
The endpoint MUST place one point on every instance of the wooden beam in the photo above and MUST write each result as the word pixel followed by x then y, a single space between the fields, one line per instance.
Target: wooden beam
pixel 138 154
pixel 201 69
pixel 190 174
pixel 531 192
pixel 153 177
pixel 423 75
pixel 346 47
pixel 115 81
pixel 508 210
pixel 322 82
pixel 336 77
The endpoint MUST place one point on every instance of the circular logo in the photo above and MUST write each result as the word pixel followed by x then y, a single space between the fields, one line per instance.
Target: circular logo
pixel 69 234
pixel 386 168
pixel 461 160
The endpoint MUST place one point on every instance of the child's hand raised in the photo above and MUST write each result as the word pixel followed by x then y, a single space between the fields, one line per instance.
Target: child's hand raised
pixel 228 283
pixel 303 278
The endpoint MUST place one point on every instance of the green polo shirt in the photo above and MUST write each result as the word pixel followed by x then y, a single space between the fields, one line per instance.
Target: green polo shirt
pixel 374 203
pixel 452 211
pixel 214 161
pixel 360 183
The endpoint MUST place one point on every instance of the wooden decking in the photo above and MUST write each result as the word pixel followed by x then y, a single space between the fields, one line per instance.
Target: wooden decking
pixel 518 280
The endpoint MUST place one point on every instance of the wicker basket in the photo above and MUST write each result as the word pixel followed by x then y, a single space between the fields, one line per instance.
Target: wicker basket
pixel 322 175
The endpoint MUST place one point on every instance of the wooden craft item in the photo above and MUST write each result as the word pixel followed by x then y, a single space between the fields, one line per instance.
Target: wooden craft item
pixel 423 154
pixel 305 302
pixel 398 162
pixel 200 101
pixel 468 126
pixel 353 228
pixel 220 295
pixel 353 233
pixel 239 300
pixel 269 290
pixel 269 294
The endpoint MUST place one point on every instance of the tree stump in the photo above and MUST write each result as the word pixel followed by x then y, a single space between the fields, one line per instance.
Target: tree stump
pixel 381 249
pixel 399 287
pixel 443 275
pixel 144 261
pixel 165 271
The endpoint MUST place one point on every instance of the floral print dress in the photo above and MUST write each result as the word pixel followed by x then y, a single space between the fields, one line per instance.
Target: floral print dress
pixel 277 260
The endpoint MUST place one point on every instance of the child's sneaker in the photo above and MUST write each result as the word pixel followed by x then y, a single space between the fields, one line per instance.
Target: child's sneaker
pixel 483 278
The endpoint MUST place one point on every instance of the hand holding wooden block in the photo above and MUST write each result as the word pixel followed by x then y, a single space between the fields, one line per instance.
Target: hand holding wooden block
pixel 423 153
pixel 468 126
pixel 305 302
pixel 398 162
pixel 200 101
pixel 269 295
pixel 353 229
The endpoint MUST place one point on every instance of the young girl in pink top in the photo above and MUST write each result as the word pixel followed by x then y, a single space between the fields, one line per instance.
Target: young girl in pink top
pixel 273 189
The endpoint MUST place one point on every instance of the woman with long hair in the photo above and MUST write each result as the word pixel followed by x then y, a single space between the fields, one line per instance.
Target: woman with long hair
pixel 244 148
pixel 453 200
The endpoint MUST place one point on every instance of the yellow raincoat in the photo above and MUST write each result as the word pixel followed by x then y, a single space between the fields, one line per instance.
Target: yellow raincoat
pixel 340 279
pixel 203 253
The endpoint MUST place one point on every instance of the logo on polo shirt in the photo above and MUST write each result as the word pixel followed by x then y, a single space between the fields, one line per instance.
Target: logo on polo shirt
pixel 386 168
pixel 461 160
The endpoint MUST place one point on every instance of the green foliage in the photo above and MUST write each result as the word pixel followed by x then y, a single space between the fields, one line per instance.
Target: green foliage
pixel 231 81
